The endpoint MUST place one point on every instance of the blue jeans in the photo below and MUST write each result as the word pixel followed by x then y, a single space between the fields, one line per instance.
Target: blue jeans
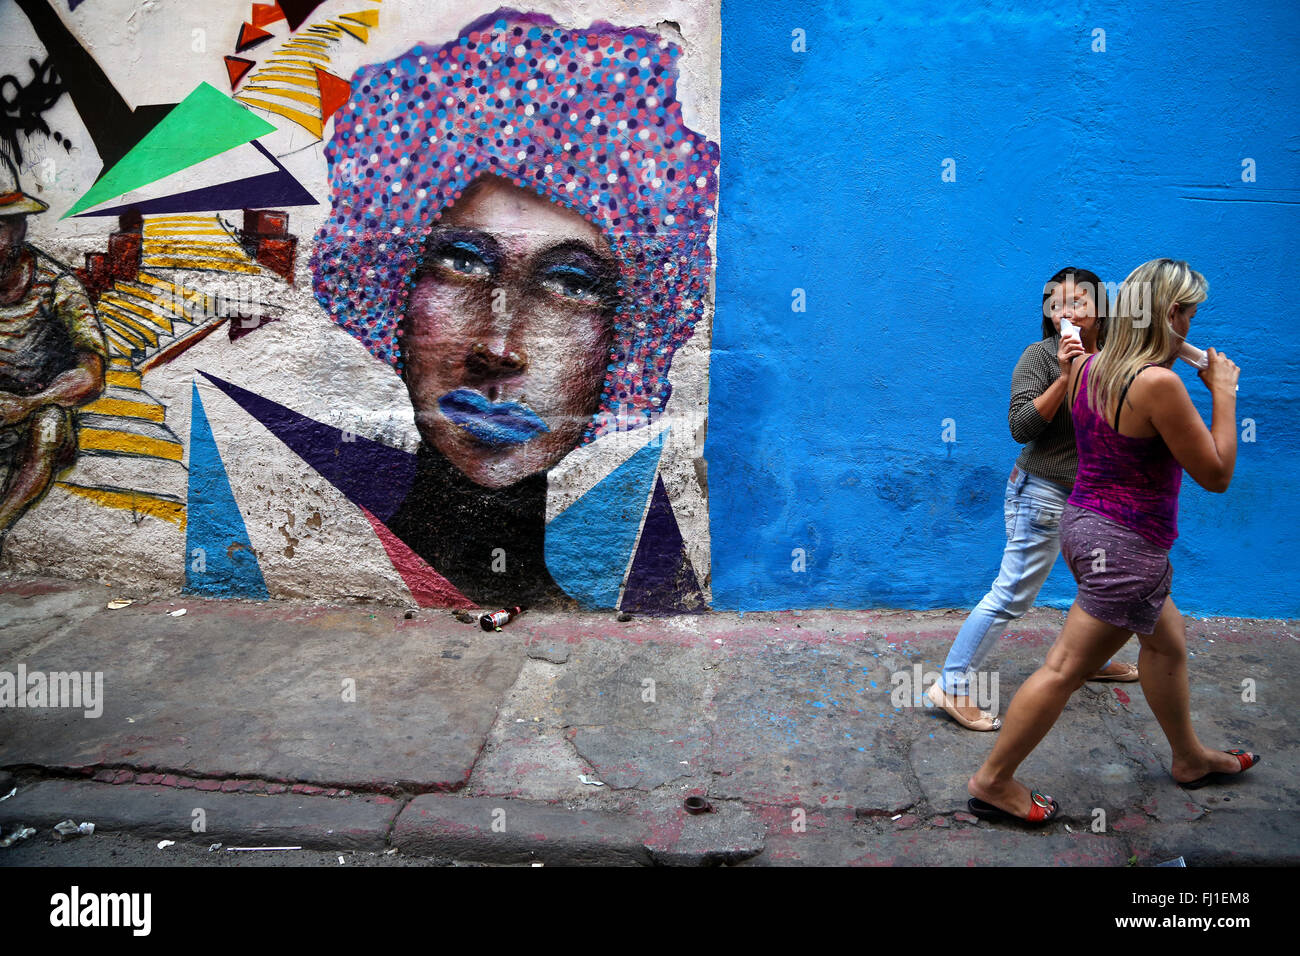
pixel 1033 517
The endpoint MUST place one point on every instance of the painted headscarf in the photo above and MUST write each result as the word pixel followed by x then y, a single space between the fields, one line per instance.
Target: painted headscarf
pixel 586 118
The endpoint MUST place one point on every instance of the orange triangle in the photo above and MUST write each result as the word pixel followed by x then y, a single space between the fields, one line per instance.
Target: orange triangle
pixel 266 13
pixel 250 36
pixel 427 586
pixel 237 67
pixel 334 92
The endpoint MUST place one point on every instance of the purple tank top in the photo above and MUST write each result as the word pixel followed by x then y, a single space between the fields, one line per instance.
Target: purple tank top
pixel 1132 481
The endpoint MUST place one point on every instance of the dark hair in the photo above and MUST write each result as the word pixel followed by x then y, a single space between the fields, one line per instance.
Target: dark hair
pixel 1079 277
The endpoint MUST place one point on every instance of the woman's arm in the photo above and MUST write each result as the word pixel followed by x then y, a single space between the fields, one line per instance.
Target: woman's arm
pixel 1032 386
pixel 1048 403
pixel 1208 455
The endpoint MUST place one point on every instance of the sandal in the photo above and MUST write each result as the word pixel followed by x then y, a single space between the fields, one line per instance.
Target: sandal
pixel 939 698
pixel 1247 760
pixel 1129 676
pixel 1043 809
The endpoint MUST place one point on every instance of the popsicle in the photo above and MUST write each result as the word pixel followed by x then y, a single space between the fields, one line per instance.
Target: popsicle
pixel 1195 357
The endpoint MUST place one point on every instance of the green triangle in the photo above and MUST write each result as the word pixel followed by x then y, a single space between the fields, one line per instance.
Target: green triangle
pixel 204 124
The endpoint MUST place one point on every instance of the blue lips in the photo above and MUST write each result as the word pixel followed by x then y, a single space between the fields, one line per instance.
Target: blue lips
pixel 494 423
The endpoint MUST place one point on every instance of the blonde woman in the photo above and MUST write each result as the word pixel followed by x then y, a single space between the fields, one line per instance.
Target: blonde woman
pixel 1136 431
pixel 1040 484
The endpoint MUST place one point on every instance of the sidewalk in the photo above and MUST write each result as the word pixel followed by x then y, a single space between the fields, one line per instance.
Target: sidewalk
pixel 472 746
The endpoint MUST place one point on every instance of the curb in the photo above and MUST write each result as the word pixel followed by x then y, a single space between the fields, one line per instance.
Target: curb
pixel 442 826
pixel 504 830
pixel 326 823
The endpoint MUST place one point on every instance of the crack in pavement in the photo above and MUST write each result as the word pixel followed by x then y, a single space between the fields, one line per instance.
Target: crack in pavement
pixel 88 774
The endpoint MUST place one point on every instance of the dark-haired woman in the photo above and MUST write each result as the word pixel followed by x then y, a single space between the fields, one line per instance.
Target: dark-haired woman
pixel 1137 431
pixel 1037 490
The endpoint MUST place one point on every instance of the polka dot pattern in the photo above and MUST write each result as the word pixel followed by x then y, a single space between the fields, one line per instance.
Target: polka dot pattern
pixel 588 119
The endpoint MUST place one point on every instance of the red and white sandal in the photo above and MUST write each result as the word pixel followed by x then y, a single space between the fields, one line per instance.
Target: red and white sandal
pixel 1246 759
pixel 1042 810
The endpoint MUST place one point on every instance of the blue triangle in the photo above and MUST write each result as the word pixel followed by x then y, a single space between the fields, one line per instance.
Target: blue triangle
pixel 219 558
pixel 589 544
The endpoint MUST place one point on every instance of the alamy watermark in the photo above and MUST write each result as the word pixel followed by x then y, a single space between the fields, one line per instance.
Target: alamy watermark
pixel 128 910
pixel 37 689
pixel 909 687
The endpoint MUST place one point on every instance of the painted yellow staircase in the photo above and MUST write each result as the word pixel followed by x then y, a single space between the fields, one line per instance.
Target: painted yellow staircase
pixel 194 242
pixel 151 319
pixel 129 458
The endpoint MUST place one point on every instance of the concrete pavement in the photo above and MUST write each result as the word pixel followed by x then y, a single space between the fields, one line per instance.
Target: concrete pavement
pixel 574 738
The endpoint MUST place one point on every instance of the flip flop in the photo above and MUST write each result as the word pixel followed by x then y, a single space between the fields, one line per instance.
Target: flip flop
pixel 1128 677
pixel 939 698
pixel 1043 810
pixel 1247 760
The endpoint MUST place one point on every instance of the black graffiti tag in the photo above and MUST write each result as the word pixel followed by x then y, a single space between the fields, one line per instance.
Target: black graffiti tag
pixel 22 108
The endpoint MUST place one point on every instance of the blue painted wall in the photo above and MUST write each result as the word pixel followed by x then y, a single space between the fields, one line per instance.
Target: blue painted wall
pixel 824 429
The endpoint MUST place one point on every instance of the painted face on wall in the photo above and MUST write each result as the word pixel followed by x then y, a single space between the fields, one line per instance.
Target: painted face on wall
pixel 580 122
pixel 507 332
pixel 13 231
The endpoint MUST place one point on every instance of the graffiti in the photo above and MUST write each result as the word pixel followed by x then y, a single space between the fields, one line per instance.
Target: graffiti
pixel 295 12
pixel 150 318
pixel 204 125
pixel 22 107
pixel 517 245
pixel 52 357
pixel 580 223
pixel 275 186
pixel 294 83
pixel 113 125
pixel 266 239
pixel 222 558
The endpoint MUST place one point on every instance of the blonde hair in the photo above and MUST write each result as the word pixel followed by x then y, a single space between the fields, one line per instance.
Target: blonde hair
pixel 1139 332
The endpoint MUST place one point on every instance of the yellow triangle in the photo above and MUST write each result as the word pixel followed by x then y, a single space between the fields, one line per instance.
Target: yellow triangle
pixel 360 32
pixel 311 124
pixel 368 18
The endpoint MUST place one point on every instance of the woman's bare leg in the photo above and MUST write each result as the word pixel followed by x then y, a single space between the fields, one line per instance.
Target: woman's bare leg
pixel 1162 665
pixel 1084 645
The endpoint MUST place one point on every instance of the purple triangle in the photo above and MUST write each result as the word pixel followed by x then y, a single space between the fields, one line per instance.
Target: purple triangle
pixel 297 11
pixel 274 189
pixel 373 475
pixel 662 580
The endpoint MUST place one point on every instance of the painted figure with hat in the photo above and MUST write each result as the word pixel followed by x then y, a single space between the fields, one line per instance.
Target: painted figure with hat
pixel 52 357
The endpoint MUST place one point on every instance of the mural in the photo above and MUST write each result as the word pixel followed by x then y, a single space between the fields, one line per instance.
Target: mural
pixel 52 357
pixel 412 300
pixel 514 229
pixel 24 106
pixel 293 83
pixel 531 267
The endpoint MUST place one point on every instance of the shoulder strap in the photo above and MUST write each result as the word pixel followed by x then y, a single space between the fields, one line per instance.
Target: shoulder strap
pixel 1120 407
pixel 1077 380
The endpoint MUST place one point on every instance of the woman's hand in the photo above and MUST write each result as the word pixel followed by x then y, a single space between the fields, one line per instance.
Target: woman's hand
pixel 1069 350
pixel 1221 374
